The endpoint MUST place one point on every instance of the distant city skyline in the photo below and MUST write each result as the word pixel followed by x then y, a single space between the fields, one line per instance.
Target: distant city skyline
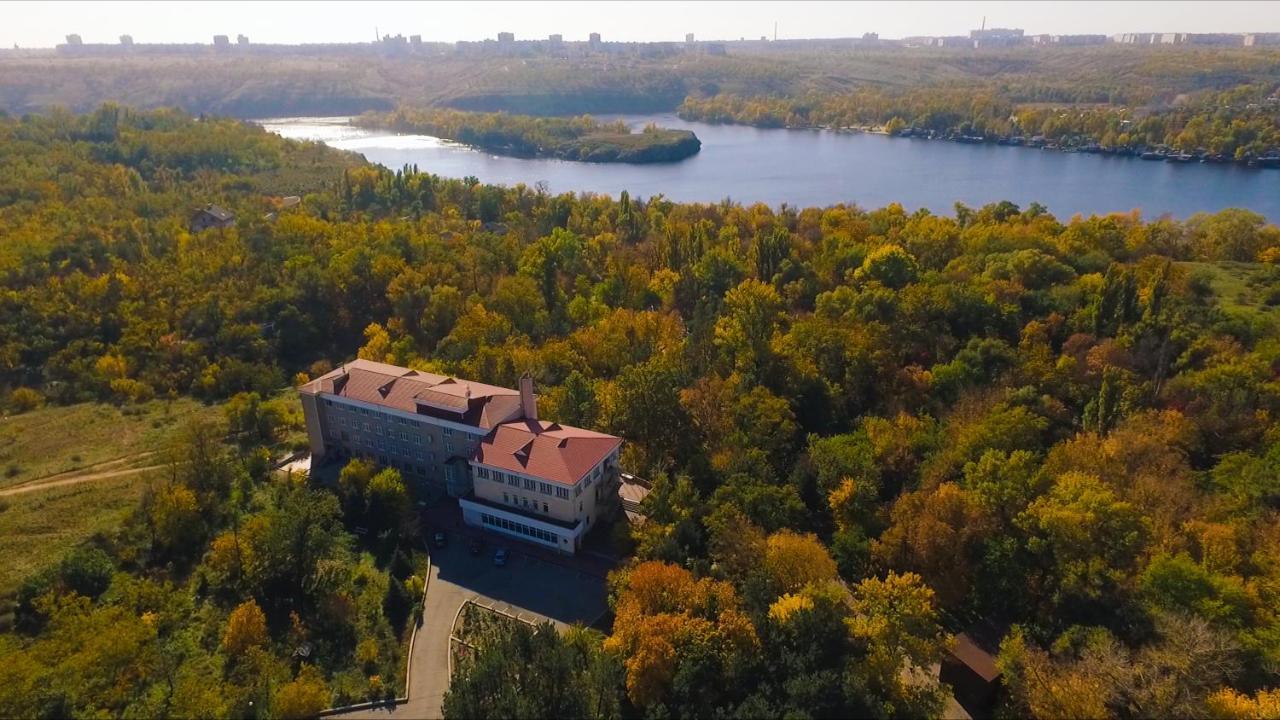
pixel 45 24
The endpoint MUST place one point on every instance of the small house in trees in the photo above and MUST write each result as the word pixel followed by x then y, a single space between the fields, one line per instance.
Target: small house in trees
pixel 970 669
pixel 211 216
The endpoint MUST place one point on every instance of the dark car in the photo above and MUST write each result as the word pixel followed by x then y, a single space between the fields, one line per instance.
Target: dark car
pixel 474 547
pixel 439 540
pixel 500 557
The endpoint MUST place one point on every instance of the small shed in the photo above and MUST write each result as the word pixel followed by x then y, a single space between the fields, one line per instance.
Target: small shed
pixel 211 216
pixel 970 669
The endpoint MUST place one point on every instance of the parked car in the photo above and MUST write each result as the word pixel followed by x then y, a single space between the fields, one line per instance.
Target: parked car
pixel 439 540
pixel 500 557
pixel 474 547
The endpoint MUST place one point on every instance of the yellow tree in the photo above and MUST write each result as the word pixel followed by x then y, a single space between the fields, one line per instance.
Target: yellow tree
pixel 246 628
pixel 303 697
pixel 663 615
pixel 793 560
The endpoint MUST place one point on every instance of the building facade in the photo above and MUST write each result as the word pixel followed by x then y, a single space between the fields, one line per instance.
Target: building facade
pixel 512 473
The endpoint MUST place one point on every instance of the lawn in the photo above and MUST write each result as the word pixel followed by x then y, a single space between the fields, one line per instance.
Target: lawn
pixel 37 528
pixel 1241 288
pixel 58 439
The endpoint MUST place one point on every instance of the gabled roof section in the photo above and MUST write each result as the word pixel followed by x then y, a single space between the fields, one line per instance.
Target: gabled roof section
pixel 546 450
pixel 423 393
pixel 218 213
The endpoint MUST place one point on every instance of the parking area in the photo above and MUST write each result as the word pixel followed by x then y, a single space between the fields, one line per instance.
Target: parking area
pixel 530 587
pixel 527 587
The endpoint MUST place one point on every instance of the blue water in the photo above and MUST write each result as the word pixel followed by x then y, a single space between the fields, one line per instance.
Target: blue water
pixel 819 168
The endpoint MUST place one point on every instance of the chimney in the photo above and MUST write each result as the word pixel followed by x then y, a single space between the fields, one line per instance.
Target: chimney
pixel 528 404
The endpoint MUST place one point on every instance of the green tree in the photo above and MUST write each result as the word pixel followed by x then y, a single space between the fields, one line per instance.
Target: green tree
pixel 751 315
pixel 889 265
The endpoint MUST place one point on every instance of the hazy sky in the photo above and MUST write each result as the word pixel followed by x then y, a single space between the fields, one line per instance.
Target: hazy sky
pixel 43 24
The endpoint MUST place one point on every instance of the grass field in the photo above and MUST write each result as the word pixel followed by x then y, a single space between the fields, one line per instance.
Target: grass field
pixel 59 439
pixel 1238 287
pixel 55 520
pixel 98 443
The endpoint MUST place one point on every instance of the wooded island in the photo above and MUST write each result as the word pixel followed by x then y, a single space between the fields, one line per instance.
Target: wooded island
pixel 581 138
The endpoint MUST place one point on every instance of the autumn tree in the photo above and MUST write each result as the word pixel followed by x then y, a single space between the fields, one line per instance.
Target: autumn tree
pixel 246 628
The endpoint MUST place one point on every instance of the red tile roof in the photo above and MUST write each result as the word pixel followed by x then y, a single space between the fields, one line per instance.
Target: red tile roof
pixel 413 391
pixel 545 450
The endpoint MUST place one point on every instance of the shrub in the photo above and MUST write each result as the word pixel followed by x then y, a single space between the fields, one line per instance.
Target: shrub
pixel 25 399
pixel 86 571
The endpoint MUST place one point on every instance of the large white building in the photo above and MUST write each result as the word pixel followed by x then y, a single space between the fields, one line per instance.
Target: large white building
pixel 512 473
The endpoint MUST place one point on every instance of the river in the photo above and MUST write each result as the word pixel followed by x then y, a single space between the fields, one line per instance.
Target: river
pixel 819 168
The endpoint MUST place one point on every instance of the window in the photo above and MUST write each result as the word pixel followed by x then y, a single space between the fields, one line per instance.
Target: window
pixel 431 456
pixel 448 446
pixel 482 472
pixel 344 435
pixel 429 439
pixel 377 428
pixel 366 427
pixel 505 498
pixel 530 484
pixel 544 507
pixel 562 493
pixel 328 402
pixel 447 432
pixel 544 488
pixel 577 490
pixel 417 439
pixel 513 481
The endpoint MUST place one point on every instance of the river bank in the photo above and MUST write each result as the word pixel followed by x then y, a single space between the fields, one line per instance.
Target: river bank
pixel 1158 153
pixel 819 169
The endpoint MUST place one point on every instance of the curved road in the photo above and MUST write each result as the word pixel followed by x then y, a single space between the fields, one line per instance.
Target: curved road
pixel 530 588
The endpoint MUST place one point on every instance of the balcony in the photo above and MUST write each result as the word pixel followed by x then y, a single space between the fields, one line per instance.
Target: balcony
pixel 521 512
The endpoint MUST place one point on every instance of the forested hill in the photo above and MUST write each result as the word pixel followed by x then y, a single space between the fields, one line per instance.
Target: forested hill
pixel 267 81
pixel 866 429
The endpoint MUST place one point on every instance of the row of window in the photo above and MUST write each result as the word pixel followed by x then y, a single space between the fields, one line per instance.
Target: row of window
pixel 393 436
pixel 445 431
pixel 521 528
pixel 529 484
pixel 401 450
pixel 521 501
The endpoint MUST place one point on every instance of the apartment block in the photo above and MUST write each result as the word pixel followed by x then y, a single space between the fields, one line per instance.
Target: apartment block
pixel 512 473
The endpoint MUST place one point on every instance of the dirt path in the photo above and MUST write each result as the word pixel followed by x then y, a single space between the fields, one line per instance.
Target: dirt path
pixel 95 467
pixel 69 478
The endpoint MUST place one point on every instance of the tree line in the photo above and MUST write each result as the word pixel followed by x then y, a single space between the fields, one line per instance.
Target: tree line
pixel 1240 123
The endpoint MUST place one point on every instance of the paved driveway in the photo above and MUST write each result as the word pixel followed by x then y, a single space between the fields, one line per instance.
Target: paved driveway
pixel 527 587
